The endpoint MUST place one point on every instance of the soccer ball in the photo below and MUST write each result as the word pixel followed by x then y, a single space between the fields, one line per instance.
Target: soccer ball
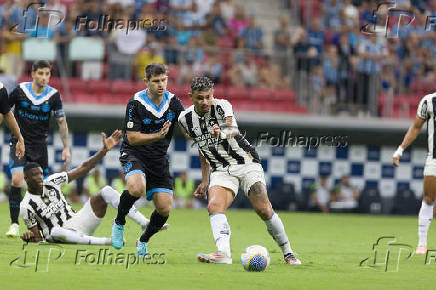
pixel 255 258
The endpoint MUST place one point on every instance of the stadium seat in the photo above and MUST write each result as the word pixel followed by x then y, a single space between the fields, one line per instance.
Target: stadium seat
pixel 123 87
pixel 77 85
pixel 220 92
pixel 85 98
pixel 238 93
pixel 283 196
pixel 284 94
pixel 405 202
pixel 370 201
pixel 261 94
pixel 99 86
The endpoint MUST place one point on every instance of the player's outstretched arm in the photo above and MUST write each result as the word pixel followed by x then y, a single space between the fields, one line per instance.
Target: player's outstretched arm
pixel 410 136
pixel 108 144
pixel 13 126
pixel 63 130
pixel 201 189
pixel 32 235
pixel 136 138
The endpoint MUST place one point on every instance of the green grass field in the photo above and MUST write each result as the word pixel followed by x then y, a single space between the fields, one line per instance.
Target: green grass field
pixel 330 247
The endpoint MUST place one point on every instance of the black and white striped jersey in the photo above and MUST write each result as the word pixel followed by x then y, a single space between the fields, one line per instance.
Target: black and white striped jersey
pixel 427 111
pixel 219 153
pixel 49 209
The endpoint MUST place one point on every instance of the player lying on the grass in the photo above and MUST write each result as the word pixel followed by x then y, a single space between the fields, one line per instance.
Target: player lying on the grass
pixel 234 163
pixel 425 113
pixel 44 206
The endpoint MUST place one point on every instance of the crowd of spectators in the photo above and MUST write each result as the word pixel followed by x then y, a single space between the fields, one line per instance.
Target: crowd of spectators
pixel 322 53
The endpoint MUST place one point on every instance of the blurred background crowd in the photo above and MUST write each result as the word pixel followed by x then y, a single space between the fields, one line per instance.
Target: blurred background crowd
pixel 310 55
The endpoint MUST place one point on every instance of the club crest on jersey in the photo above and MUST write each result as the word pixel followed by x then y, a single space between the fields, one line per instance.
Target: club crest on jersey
pixel 213 121
pixel 220 111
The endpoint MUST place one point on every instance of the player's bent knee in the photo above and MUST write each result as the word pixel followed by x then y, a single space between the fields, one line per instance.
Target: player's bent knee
pixel 214 207
pixel 136 190
pixel 164 210
pixel 17 179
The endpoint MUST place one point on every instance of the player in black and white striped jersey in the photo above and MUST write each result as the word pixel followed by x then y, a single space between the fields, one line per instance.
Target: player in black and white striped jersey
pixel 426 113
pixel 234 162
pixel 44 206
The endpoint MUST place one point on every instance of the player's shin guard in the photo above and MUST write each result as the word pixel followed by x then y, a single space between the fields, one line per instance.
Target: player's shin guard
pixel 112 198
pixel 72 237
pixel 126 203
pixel 424 221
pixel 221 232
pixel 14 203
pixel 276 229
pixel 156 223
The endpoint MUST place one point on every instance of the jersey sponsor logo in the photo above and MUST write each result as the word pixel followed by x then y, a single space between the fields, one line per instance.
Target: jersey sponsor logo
pixel 34 108
pixel 146 121
pixel 130 125
pixel 59 180
pixel 32 116
pixel 159 121
pixel 24 104
pixel 213 121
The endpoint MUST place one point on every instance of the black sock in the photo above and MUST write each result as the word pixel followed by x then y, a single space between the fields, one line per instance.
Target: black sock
pixel 156 223
pixel 126 203
pixel 14 203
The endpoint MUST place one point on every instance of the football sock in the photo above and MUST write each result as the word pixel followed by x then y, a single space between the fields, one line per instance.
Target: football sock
pixel 112 197
pixel 424 221
pixel 156 223
pixel 276 229
pixel 221 232
pixel 69 236
pixel 14 203
pixel 126 203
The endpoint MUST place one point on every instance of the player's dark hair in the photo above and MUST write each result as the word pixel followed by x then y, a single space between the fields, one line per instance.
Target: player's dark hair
pixel 201 84
pixel 155 69
pixel 40 64
pixel 30 166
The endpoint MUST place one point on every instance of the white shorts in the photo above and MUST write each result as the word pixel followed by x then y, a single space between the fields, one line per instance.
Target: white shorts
pixel 84 221
pixel 430 167
pixel 240 174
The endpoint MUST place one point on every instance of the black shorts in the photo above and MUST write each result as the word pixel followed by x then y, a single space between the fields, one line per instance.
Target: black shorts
pixel 156 172
pixel 34 153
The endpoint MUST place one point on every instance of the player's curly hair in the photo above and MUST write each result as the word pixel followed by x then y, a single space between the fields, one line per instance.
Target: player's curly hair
pixel 201 84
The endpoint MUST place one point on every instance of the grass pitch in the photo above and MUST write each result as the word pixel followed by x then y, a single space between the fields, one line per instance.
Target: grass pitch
pixel 331 248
